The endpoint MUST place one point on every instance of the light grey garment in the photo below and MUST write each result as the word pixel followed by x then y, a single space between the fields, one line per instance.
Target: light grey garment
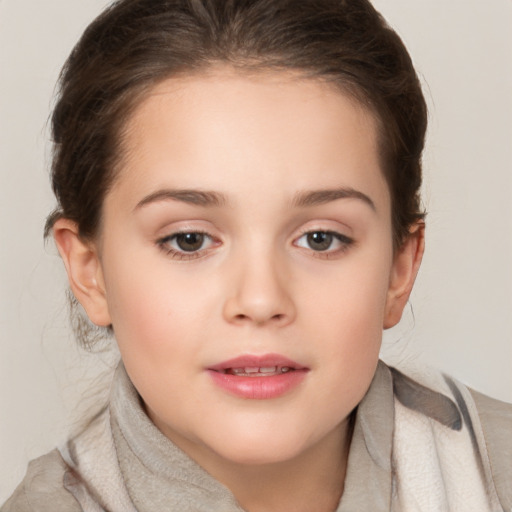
pixel 123 463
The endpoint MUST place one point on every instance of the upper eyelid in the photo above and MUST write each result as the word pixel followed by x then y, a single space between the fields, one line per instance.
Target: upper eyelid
pixel 168 232
pixel 185 232
pixel 316 228
pixel 172 236
pixel 303 231
pixel 322 230
pixel 340 236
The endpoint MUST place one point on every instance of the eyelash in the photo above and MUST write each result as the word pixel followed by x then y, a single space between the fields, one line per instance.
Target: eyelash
pixel 182 255
pixel 344 241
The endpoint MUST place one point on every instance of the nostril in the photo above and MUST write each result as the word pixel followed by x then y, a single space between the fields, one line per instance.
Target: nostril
pixel 242 318
pixel 244 309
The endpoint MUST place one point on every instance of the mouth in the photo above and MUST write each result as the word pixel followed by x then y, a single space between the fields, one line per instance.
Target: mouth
pixel 265 365
pixel 258 377
pixel 256 371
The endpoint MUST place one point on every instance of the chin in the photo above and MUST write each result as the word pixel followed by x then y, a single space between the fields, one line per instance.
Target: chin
pixel 273 448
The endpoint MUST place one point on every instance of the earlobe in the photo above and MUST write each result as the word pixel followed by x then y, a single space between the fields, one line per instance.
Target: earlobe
pixel 84 271
pixel 406 264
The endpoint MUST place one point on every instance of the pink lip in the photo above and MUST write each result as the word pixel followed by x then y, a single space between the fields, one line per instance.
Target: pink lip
pixel 258 387
pixel 259 361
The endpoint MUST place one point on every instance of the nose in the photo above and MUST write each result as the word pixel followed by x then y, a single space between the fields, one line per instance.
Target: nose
pixel 259 293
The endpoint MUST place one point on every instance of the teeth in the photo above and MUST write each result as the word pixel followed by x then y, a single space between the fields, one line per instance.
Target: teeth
pixel 252 370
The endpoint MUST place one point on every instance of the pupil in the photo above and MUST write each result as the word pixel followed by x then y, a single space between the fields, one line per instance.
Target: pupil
pixel 190 242
pixel 319 240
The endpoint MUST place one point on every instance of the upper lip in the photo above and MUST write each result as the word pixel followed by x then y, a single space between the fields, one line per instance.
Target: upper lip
pixel 257 361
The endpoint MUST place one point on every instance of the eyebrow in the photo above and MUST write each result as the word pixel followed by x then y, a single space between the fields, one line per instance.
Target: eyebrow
pixel 215 199
pixel 319 197
pixel 196 197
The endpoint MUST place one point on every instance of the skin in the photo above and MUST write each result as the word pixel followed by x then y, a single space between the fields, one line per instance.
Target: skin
pixel 256 285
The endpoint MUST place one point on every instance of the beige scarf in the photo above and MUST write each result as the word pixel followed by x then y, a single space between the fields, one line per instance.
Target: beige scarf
pixel 417 446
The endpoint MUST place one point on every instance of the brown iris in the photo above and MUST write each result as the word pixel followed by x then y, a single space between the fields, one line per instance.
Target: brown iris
pixel 190 242
pixel 319 240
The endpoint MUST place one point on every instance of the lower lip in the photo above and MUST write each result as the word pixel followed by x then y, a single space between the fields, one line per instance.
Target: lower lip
pixel 258 388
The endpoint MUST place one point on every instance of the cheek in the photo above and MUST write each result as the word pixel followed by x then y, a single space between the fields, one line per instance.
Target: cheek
pixel 157 322
pixel 155 308
pixel 351 296
pixel 345 318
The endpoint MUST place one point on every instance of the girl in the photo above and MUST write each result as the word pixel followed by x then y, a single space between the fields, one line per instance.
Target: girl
pixel 237 188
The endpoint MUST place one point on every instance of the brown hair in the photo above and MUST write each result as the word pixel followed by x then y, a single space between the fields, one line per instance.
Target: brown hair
pixel 135 44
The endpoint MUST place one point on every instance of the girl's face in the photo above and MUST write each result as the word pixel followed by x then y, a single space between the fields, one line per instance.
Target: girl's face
pixel 246 263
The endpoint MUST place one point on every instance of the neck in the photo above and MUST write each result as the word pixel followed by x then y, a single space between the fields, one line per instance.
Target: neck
pixel 311 481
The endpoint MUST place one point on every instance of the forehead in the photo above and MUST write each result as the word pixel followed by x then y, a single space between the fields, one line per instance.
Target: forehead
pixel 274 129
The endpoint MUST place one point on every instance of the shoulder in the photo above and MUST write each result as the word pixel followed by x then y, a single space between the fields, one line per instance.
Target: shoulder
pixel 496 420
pixel 496 415
pixel 42 489
pixel 485 421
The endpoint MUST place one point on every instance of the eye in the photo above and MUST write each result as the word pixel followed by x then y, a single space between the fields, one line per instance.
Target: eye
pixel 186 244
pixel 324 241
pixel 189 242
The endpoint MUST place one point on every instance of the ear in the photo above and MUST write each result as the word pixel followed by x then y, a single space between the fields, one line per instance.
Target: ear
pixel 406 264
pixel 84 270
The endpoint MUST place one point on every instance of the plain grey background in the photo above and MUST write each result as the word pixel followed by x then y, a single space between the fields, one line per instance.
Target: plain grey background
pixel 460 319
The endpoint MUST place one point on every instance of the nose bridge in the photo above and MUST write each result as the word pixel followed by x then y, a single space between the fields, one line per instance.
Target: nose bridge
pixel 260 291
